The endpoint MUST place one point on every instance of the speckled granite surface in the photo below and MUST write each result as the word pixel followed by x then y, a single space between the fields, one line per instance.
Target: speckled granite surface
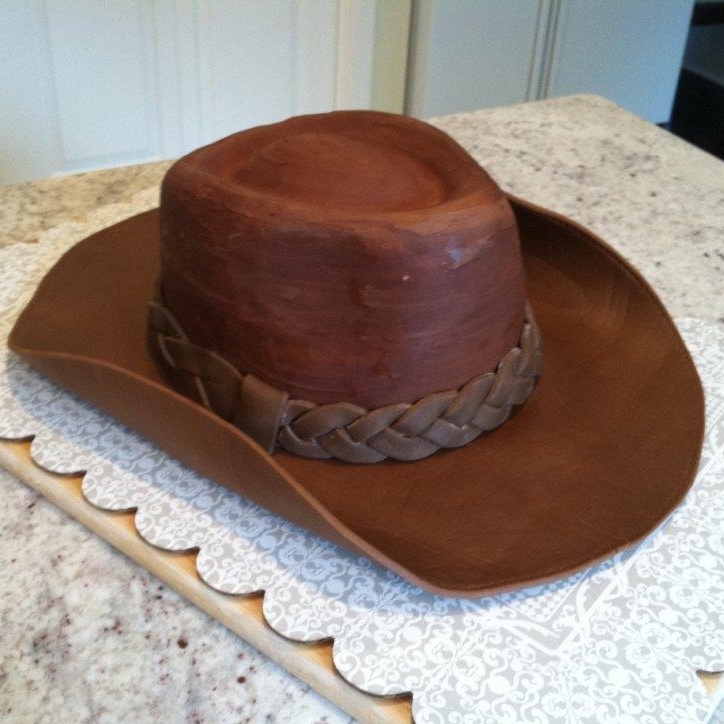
pixel 27 209
pixel 89 636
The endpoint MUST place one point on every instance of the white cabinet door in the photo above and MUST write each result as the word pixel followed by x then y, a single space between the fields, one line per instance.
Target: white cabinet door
pixel 468 54
pixel 630 52
pixel 87 84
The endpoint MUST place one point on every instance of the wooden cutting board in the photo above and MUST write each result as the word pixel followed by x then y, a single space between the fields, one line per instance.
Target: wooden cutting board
pixel 312 663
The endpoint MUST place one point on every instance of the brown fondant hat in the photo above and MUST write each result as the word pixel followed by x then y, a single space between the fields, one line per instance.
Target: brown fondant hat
pixel 603 449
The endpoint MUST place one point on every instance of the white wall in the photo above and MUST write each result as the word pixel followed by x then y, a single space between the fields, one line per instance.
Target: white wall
pixel 470 54
pixel 627 50
pixel 87 84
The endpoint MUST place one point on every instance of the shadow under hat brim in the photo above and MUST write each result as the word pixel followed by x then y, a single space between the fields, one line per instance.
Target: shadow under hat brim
pixel 606 446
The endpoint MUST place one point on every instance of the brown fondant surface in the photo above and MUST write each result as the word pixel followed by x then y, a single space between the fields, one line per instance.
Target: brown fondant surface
pixel 350 256
pixel 603 450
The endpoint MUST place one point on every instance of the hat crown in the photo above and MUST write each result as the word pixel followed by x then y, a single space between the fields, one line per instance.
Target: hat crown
pixel 352 256
pixel 349 171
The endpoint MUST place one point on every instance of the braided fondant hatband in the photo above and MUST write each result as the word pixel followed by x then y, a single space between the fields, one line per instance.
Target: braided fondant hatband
pixel 402 431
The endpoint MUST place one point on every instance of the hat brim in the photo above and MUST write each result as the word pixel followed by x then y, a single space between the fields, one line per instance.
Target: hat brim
pixel 604 449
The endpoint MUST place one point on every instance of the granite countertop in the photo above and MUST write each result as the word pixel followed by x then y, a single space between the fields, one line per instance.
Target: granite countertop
pixel 90 636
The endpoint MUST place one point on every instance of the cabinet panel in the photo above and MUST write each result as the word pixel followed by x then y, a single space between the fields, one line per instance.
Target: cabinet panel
pixel 28 145
pixel 471 54
pixel 475 53
pixel 101 86
pixel 246 64
pixel 88 84
pixel 629 52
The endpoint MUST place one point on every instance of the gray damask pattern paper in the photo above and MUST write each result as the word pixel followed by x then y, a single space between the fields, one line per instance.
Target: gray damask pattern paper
pixel 619 642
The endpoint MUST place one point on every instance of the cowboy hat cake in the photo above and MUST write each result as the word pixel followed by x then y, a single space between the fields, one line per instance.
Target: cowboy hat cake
pixel 343 318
